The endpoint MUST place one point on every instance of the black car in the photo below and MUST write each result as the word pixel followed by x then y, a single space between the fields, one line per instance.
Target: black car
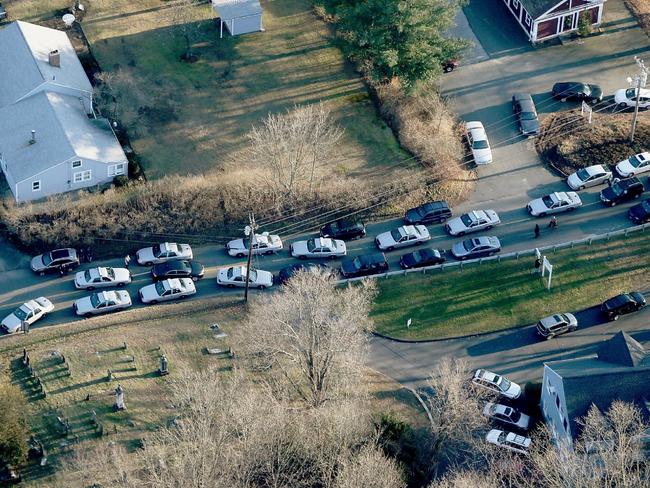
pixel 428 213
pixel 574 90
pixel 640 213
pixel 344 229
pixel 622 304
pixel 621 191
pixel 524 108
pixel 178 269
pixel 286 273
pixel 368 264
pixel 422 258
pixel 55 261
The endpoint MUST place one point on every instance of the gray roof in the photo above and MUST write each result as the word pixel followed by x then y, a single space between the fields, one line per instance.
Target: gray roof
pixel 232 9
pixel 24 55
pixel 619 371
pixel 63 131
pixel 535 8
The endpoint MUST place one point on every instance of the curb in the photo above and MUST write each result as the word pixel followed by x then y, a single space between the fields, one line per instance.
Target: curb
pixel 467 336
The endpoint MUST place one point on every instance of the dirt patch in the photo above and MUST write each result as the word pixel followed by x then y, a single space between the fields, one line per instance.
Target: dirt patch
pixel 641 10
pixel 569 142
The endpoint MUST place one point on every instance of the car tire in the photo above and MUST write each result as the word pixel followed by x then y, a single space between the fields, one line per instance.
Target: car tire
pixel 184 296
pixel 230 285
pixel 613 204
pixel 637 196
pixel 41 273
pixel 240 255
pixel 121 284
pixel 563 100
pixel 572 329
pixel 90 288
pixel 448 69
pixel 261 287
pixel 614 317
pixel 460 234
pixel 390 248
pixel 88 315
pixel 302 257
pixel 268 253
pixel 549 337
pixel 543 214
pixel 195 278
pixel 148 263
pixel 581 187
pixel 331 257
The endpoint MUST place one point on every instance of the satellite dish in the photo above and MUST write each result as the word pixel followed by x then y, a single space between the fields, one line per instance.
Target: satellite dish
pixel 68 19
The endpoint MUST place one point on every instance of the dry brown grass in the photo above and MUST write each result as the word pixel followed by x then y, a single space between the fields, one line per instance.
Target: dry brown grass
pixel 568 142
pixel 641 10
pixel 428 129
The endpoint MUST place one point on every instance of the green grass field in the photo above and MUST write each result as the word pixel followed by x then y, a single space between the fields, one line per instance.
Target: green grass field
pixel 495 296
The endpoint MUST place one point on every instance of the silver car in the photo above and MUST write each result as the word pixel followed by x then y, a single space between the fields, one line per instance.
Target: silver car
pixel 102 302
pixel 473 221
pixel 476 248
pixel 506 415
pixel 554 325
pixel 407 235
pixel 589 176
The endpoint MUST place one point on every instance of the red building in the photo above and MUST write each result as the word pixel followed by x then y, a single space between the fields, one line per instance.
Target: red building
pixel 545 19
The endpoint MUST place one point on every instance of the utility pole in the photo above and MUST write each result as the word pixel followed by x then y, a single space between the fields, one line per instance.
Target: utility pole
pixel 640 80
pixel 250 232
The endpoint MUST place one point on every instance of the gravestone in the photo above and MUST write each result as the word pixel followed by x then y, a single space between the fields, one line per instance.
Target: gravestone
pixel 163 370
pixel 119 399
pixel 109 376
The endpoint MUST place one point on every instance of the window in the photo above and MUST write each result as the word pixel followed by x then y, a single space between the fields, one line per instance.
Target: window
pixel 36 185
pixel 76 164
pixel 566 425
pixel 515 4
pixel 117 169
pixel 527 20
pixel 82 176
pixel 557 401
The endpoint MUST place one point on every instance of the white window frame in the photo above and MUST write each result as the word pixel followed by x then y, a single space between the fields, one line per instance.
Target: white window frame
pixel 113 169
pixel 528 20
pixel 81 176
pixel 74 164
pixel 515 4
pixel 36 185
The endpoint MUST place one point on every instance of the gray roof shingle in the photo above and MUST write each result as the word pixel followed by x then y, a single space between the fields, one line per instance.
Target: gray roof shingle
pixel 232 9
pixel 535 8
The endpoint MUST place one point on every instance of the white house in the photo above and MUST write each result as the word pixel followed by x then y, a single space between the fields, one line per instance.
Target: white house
pixel 239 16
pixel 620 370
pixel 50 139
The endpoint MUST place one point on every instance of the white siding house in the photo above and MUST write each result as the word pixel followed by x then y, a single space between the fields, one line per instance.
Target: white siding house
pixel 50 139
pixel 238 16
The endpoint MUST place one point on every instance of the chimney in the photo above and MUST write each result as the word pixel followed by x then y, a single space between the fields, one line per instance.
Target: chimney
pixel 55 58
pixel 33 139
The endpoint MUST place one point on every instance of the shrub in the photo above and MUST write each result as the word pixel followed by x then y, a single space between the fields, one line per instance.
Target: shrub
pixel 584 23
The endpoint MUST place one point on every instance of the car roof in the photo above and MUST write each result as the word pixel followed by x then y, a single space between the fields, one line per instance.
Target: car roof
pixel 323 242
pixel 105 296
pixel 408 230
pixel 477 214
pixel 172 283
pixel 595 168
pixel 435 205
pixel 577 85
pixel 169 246
pixel 61 253
pixel 175 264
pixel 627 182
pixel 518 439
pixel 620 299
pixel 521 96
pixel 477 131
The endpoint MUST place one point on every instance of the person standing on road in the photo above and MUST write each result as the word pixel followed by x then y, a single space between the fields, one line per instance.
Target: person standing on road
pixel 537 231
pixel 553 223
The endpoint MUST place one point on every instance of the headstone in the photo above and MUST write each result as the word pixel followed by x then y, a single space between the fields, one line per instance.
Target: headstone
pixel 24 326
pixel 124 346
pixel 24 356
pixel 62 358
pixel 109 376
pixel 163 366
pixel 93 417
pixel 119 399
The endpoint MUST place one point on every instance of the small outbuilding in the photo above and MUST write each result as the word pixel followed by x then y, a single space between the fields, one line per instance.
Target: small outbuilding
pixel 545 19
pixel 238 16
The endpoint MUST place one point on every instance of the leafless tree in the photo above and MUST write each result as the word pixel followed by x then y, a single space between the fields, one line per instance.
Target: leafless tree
pixel 454 413
pixel 310 337
pixel 295 146
pixel 369 469
pixel 119 95
pixel 186 17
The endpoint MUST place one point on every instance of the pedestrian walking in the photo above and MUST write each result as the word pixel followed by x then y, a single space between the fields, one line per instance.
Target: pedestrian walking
pixel 553 223
pixel 82 255
pixel 89 254
pixel 537 231
pixel 127 260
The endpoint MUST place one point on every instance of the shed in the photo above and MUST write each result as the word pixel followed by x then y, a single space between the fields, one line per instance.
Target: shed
pixel 239 16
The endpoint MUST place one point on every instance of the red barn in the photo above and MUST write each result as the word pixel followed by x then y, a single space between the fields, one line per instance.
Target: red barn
pixel 545 19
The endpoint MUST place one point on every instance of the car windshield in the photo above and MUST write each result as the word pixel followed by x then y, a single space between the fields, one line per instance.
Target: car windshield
pixel 465 219
pixel 630 93
pixel 160 288
pixel 481 144
pixel 356 262
pixel 548 201
pixel 513 415
pixel 334 227
pixel 634 161
pixel 469 244
pixel 528 116
pixel 311 245
pixel 617 189
pixel 646 205
pixel 583 89
pixel 503 383
pixel 156 249
pixel 253 275
pixel 583 174
pixel 110 273
pixel 87 276
pixel 20 314
pixel 230 273
pixel 94 300
pixel 47 259
pixel 396 235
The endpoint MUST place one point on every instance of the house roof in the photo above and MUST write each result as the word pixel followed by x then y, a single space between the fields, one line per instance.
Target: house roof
pixel 535 8
pixel 619 371
pixel 25 49
pixel 63 131
pixel 232 9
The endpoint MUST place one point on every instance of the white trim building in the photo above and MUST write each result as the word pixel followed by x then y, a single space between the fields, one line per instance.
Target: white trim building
pixel 238 16
pixel 545 19
pixel 50 139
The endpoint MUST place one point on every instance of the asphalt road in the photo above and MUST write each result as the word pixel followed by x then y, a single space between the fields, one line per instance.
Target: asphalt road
pixel 517 353
pixel 515 232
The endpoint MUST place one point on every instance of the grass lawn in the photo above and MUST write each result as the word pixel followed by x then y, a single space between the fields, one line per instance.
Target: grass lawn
pixel 189 118
pixel 91 347
pixel 497 296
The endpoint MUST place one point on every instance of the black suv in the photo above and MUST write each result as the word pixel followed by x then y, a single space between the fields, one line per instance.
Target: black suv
pixel 428 213
pixel 368 264
pixel 640 213
pixel 422 258
pixel 344 229
pixel 622 304
pixel 178 269
pixel 622 190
